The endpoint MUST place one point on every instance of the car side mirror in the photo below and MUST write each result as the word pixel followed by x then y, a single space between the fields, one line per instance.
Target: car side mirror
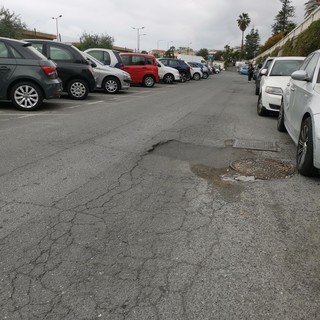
pixel 300 75
pixel 264 72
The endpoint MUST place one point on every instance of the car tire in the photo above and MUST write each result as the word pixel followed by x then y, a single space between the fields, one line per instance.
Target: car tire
pixel 196 76
pixel 261 110
pixel 304 155
pixel 168 78
pixel 183 77
pixel 26 96
pixel 149 81
pixel 280 121
pixel 111 85
pixel 205 75
pixel 77 89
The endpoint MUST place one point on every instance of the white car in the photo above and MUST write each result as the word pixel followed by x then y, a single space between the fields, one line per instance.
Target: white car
pixel 273 82
pixel 196 72
pixel 167 74
pixel 300 114
pixel 110 79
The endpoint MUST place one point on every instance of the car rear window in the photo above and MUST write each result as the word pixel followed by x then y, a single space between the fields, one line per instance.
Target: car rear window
pixel 36 52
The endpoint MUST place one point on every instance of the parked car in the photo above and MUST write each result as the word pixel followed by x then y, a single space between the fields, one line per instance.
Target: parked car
pixel 274 81
pixel 180 65
pixel 196 72
pixel 73 67
pixel 166 74
pixel 110 79
pixel 244 70
pixel 257 79
pixel 141 67
pixel 26 76
pixel 204 69
pixel 300 114
pixel 108 57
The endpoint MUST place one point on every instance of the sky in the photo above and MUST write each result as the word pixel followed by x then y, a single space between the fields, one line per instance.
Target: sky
pixel 209 24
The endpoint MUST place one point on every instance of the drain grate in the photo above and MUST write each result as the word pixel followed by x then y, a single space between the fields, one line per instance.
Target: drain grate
pixel 256 145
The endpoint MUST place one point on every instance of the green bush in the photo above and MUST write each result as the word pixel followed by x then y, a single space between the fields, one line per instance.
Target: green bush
pixel 309 40
pixel 288 48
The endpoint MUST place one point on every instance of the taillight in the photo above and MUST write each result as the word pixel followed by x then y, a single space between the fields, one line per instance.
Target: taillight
pixel 121 66
pixel 49 71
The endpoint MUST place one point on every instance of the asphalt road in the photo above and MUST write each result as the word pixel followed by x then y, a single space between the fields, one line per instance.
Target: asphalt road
pixel 124 207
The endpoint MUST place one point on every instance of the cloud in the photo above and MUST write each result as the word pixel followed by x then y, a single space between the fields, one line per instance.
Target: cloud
pixel 206 24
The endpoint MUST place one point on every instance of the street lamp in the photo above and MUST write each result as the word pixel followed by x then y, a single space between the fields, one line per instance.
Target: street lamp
pixel 188 47
pixel 138 37
pixel 158 41
pixel 56 18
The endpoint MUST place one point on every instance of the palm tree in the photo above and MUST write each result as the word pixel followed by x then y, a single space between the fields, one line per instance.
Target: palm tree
pixel 310 6
pixel 243 23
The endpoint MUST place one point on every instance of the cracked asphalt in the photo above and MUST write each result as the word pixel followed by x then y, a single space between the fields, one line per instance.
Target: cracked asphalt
pixel 117 210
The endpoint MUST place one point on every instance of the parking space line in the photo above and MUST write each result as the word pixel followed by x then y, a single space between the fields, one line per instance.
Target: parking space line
pixel 95 102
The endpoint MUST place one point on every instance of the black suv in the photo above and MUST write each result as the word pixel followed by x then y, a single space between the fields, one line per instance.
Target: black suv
pixel 73 67
pixel 26 76
pixel 180 65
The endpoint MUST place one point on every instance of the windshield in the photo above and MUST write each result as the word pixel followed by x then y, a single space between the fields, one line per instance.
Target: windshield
pixel 285 67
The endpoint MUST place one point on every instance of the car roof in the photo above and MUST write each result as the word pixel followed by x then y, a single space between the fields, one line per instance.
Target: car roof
pixel 289 58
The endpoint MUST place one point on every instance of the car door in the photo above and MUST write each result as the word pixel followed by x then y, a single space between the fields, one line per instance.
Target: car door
pixel 300 95
pixel 8 65
pixel 135 65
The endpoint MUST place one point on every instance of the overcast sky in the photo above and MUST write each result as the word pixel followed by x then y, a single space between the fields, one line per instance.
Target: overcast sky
pixel 207 24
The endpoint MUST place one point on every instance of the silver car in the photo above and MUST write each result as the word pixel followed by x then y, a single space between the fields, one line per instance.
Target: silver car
pixel 110 79
pixel 300 114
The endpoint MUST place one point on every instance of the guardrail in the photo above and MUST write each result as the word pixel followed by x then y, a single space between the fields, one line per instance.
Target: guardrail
pixel 314 16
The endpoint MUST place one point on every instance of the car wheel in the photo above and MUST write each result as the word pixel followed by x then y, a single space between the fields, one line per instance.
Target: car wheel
pixel 305 150
pixel 149 81
pixel 196 76
pixel 188 77
pixel 168 78
pixel 111 85
pixel 261 110
pixel 205 75
pixel 280 122
pixel 26 96
pixel 77 89
pixel 183 77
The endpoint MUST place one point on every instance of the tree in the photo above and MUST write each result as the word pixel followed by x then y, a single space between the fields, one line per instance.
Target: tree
pixel 203 53
pixel 271 42
pixel 252 43
pixel 310 6
pixel 95 41
pixel 282 19
pixel 10 24
pixel 170 53
pixel 243 23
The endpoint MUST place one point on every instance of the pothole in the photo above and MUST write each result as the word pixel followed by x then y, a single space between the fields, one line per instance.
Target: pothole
pixel 264 169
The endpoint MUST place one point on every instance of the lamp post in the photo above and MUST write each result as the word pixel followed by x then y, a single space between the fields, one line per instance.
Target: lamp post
pixel 188 47
pixel 138 37
pixel 56 18
pixel 158 41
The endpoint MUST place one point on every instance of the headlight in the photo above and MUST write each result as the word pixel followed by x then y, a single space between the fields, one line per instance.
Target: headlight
pixel 274 90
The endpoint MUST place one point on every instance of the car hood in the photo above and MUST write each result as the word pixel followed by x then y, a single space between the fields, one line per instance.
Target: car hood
pixel 112 70
pixel 276 81
pixel 169 69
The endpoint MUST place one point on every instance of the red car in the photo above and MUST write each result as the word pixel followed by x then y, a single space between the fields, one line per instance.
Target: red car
pixel 142 68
